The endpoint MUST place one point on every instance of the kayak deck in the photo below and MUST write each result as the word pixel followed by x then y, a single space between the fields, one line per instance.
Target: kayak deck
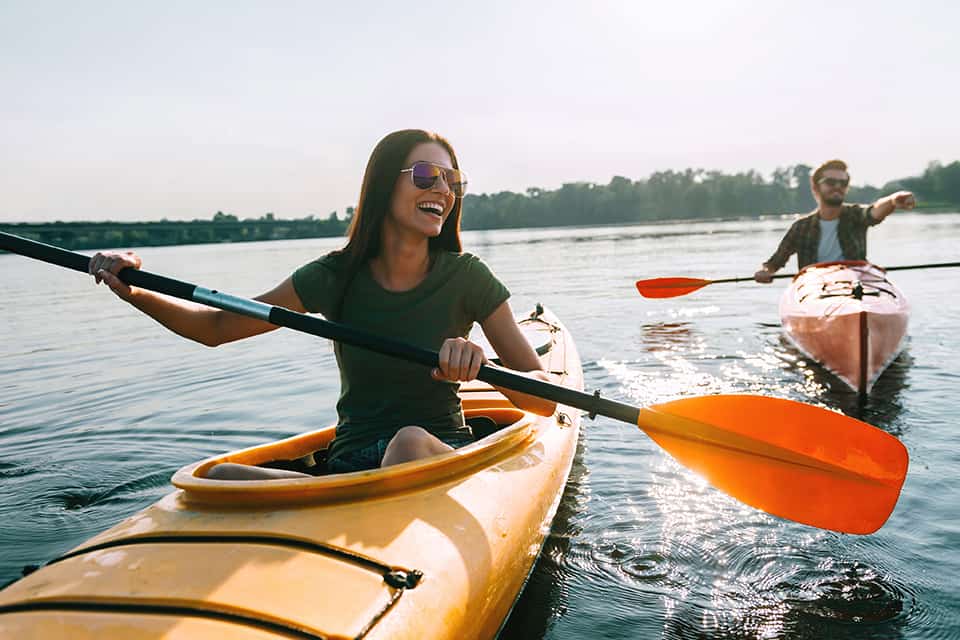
pixel 434 548
pixel 848 317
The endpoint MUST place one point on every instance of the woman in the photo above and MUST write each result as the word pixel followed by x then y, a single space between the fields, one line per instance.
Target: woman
pixel 401 273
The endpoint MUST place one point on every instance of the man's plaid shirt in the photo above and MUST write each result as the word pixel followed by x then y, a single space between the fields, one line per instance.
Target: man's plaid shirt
pixel 803 237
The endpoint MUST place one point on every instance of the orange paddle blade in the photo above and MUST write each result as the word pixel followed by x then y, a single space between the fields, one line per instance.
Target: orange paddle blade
pixel 669 287
pixel 790 459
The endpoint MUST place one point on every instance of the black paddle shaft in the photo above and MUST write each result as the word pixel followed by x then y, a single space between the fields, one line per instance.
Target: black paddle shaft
pixel 593 404
pixel 932 265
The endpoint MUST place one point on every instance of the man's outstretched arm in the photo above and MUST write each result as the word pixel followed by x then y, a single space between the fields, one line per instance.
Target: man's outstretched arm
pixel 888 204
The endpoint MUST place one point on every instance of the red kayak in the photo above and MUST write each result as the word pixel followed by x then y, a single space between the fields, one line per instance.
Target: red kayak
pixel 848 317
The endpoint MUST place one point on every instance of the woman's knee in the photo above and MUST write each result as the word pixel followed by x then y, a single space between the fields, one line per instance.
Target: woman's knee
pixel 411 443
pixel 411 437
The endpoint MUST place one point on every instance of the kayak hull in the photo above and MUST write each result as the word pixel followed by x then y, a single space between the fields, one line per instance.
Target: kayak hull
pixel 435 548
pixel 848 317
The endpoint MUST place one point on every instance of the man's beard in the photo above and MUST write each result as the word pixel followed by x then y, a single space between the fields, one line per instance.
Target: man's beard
pixel 833 201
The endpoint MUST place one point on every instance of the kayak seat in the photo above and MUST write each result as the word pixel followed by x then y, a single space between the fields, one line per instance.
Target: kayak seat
pixel 315 463
pixel 482 426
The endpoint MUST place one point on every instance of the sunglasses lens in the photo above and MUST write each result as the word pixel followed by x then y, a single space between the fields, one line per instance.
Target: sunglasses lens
pixel 457 181
pixel 425 175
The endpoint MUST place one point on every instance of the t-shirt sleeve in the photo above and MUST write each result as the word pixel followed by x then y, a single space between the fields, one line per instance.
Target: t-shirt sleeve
pixel 484 291
pixel 317 284
pixel 865 215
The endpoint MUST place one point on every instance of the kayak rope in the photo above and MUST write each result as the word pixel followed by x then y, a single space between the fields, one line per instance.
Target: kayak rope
pixel 398 579
pixel 180 611
pixel 851 289
pixel 392 575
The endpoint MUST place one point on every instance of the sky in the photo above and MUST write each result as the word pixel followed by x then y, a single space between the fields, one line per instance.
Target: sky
pixel 135 110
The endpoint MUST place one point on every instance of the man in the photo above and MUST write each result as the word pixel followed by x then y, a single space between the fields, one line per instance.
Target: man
pixel 834 231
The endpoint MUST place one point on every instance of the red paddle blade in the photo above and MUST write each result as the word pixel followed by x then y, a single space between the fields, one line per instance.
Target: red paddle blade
pixel 669 287
pixel 790 459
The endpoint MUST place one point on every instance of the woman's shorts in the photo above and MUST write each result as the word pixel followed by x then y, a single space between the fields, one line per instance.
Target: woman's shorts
pixel 371 456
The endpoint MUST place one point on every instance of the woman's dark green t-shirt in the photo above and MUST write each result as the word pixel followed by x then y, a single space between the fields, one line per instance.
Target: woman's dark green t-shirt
pixel 380 394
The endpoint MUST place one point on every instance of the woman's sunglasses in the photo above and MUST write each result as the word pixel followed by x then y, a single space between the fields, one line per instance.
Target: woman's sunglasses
pixel 426 174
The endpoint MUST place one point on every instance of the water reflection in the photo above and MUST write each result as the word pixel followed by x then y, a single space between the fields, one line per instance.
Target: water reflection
pixel 882 407
pixel 728 571
pixel 840 599
pixel 667 336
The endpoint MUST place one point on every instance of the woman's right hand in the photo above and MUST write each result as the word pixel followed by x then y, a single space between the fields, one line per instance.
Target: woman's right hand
pixel 104 267
pixel 459 361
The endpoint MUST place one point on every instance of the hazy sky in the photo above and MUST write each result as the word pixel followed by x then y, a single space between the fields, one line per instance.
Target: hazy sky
pixel 131 110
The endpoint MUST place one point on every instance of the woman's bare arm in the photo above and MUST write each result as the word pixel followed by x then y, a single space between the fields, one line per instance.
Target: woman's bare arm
pixel 197 322
pixel 515 353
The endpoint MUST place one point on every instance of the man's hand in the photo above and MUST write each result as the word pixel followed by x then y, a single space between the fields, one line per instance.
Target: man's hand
pixel 903 200
pixel 763 276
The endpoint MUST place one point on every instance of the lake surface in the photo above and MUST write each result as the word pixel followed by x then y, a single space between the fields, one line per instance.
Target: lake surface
pixel 99 406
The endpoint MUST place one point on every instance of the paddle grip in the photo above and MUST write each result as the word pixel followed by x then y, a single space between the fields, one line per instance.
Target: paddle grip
pixel 44 252
pixel 80 262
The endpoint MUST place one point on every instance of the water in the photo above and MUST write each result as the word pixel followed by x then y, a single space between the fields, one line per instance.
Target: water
pixel 99 406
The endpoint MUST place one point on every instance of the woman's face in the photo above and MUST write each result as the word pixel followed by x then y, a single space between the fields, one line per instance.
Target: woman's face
pixel 422 211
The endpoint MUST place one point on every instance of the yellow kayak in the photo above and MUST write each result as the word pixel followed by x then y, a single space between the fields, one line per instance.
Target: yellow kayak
pixel 435 548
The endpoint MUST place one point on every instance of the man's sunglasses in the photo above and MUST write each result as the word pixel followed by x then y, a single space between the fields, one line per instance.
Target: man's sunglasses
pixel 426 174
pixel 835 182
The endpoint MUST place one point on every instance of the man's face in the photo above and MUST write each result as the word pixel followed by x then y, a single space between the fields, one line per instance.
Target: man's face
pixel 832 187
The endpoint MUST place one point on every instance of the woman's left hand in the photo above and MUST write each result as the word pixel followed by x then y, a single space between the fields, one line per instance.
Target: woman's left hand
pixel 460 360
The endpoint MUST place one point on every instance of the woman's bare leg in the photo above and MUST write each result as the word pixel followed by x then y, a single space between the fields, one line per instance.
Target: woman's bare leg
pixel 233 471
pixel 413 443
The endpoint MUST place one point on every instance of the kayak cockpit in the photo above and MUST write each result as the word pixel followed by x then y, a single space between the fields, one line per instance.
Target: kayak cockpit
pixel 314 463
pixel 509 429
pixel 502 431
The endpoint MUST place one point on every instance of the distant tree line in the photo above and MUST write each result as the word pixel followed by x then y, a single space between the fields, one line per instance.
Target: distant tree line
pixel 939 185
pixel 688 194
pixel 222 227
pixel 665 195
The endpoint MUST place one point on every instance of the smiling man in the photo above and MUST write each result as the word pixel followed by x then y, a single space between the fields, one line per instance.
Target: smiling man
pixel 834 231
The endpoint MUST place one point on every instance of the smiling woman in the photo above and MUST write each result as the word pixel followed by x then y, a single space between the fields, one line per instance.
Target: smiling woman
pixel 402 273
